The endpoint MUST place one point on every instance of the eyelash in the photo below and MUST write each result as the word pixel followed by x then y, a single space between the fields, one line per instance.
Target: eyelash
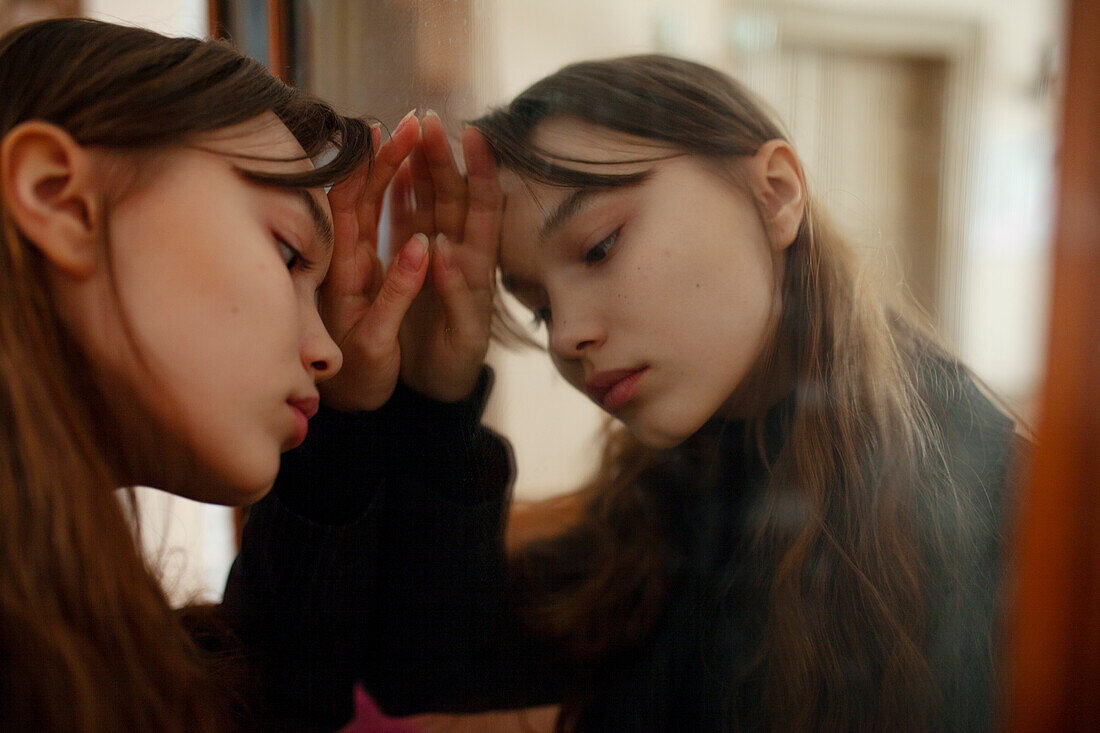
pixel 292 258
pixel 601 251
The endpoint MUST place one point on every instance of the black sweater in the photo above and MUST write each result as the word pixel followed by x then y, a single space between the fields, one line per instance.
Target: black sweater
pixel 378 557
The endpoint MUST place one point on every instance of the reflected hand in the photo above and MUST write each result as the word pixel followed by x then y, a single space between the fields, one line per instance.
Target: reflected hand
pixel 361 304
pixel 445 335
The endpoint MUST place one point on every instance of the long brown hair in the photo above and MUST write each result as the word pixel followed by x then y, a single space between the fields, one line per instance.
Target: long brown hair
pixel 87 639
pixel 859 470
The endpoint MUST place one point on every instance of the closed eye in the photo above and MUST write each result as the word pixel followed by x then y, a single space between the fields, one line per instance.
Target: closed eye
pixel 292 258
pixel 600 252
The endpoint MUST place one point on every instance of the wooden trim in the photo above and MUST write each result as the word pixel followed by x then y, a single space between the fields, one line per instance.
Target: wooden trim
pixel 215 18
pixel 1054 642
pixel 890 34
pixel 278 39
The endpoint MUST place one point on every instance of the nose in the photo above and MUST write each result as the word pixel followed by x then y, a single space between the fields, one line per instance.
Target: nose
pixel 320 355
pixel 574 330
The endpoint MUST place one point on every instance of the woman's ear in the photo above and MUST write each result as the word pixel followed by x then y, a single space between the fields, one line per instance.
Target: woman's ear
pixel 46 181
pixel 780 189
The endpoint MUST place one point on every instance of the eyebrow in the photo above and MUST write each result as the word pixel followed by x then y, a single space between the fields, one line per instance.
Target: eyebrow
pixel 582 196
pixel 568 207
pixel 321 224
pixel 554 221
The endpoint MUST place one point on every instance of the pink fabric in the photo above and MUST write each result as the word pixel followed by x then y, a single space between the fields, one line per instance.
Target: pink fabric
pixel 369 719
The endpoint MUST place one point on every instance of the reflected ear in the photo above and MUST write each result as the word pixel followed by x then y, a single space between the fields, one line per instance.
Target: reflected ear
pixel 780 189
pixel 46 182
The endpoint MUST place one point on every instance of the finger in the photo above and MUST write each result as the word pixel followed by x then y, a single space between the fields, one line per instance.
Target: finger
pixel 342 294
pixel 402 210
pixel 485 197
pixel 386 162
pixel 422 190
pixel 448 186
pixel 344 271
pixel 454 292
pixel 401 286
pixel 376 275
pixel 381 199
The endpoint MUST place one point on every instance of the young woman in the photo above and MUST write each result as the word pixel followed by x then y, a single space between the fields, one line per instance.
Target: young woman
pixel 799 524
pixel 165 241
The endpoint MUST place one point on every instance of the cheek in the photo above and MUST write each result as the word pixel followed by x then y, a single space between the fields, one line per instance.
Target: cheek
pixel 209 316
pixel 646 281
pixel 715 306
pixel 742 332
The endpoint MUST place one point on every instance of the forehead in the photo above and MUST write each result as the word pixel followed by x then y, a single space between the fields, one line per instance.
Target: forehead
pixel 264 145
pixel 569 139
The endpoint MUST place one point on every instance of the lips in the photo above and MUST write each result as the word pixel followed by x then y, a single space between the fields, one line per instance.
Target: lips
pixel 614 388
pixel 304 409
pixel 308 406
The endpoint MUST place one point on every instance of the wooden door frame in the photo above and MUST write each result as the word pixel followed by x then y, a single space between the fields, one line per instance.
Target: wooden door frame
pixel 1054 642
pixel 279 33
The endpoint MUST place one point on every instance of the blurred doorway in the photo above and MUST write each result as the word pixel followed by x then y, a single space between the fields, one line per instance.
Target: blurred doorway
pixel 879 109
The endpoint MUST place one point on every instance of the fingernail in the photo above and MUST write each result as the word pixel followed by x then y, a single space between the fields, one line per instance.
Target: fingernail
pixel 443 251
pixel 412 256
pixel 405 120
pixel 431 113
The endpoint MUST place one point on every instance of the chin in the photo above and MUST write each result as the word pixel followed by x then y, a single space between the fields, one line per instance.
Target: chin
pixel 249 495
pixel 239 486
pixel 253 480
pixel 656 437
pixel 666 433
pixel 228 494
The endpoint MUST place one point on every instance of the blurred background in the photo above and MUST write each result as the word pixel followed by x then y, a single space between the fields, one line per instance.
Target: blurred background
pixel 927 126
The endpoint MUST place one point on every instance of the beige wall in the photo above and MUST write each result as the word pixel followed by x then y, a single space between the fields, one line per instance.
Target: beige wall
pixel 173 17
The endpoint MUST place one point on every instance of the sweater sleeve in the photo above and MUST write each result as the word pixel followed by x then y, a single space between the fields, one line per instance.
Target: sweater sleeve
pixel 378 557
